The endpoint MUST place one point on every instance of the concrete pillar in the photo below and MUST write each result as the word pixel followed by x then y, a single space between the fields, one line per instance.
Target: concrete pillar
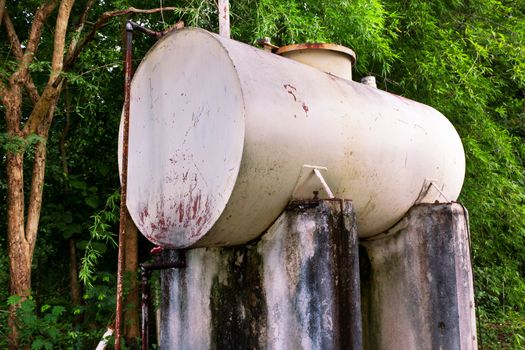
pixel 417 290
pixel 297 287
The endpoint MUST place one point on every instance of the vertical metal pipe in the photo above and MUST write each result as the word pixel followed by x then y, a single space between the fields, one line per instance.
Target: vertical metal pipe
pixel 224 18
pixel 160 263
pixel 123 184
pixel 145 274
pixel 128 72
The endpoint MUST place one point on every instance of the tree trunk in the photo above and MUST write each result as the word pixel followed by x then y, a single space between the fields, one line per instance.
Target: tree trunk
pixel 18 247
pixel 22 225
pixel 131 308
pixel 73 273
pixel 21 229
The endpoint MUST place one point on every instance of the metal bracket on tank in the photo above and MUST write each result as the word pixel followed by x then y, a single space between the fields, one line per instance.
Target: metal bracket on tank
pixel 311 180
pixel 427 195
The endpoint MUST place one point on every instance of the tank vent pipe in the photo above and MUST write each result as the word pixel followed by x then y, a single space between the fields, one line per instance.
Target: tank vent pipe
pixel 224 18
pixel 369 80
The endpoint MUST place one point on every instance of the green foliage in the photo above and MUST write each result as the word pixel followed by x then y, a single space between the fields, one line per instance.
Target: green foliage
pixel 16 144
pixel 359 24
pixel 99 299
pixel 58 326
pixel 46 327
pixel 198 13
pixel 466 60
pixel 101 236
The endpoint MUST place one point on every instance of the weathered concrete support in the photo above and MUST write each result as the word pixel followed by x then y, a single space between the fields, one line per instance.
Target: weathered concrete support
pixel 295 288
pixel 417 290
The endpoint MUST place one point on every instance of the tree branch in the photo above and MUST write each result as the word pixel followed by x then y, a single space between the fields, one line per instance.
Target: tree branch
pixel 32 90
pixel 12 101
pixel 41 15
pixel 2 9
pixel 37 180
pixel 101 22
pixel 13 37
pixel 79 27
pixel 17 49
pixel 60 38
pixel 41 108
pixel 45 104
pixel 37 189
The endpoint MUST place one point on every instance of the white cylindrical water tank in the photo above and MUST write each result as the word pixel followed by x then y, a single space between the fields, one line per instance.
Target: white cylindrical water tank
pixel 220 132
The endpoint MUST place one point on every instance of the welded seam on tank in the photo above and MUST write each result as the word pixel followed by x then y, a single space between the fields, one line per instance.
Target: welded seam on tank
pixel 230 191
pixel 219 39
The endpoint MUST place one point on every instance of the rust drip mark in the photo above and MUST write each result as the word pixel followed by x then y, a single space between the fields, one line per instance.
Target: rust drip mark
pixel 143 215
pixel 202 219
pixel 181 213
pixel 193 210
pixel 290 89
pixel 193 214
pixel 161 225
pixel 305 108
pixel 189 216
pixel 194 183
pixel 196 205
pixel 164 223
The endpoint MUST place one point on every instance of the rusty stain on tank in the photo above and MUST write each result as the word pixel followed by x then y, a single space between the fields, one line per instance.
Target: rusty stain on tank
pixel 305 108
pixel 193 213
pixel 143 215
pixel 234 148
pixel 290 89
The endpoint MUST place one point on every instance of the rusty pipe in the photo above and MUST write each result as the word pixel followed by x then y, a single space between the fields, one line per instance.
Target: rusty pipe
pixel 128 74
pixel 123 183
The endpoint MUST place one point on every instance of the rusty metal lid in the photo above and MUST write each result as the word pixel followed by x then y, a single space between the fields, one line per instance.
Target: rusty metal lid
pixel 318 46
